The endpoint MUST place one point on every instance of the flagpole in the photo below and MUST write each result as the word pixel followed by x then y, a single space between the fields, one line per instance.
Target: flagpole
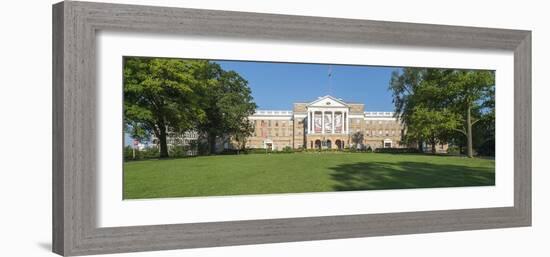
pixel 329 77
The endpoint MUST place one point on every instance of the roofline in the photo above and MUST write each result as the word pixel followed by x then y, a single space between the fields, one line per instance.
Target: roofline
pixel 340 100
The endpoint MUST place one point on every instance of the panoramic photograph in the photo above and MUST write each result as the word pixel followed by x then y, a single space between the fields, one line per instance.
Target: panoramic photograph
pixel 198 128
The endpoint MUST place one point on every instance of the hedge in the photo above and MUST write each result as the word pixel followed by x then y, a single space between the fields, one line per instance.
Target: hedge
pixel 396 150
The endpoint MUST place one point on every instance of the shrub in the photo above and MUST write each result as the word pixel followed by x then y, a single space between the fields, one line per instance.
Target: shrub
pixel 396 150
pixel 257 151
pixel 454 150
pixel 128 153
pixel 147 153
pixel 229 152
pixel 150 152
pixel 288 149
pixel 177 151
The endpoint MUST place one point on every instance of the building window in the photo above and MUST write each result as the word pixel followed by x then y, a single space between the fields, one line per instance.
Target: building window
pixel 387 133
pixel 276 124
pixel 357 121
pixel 380 132
pixel 379 122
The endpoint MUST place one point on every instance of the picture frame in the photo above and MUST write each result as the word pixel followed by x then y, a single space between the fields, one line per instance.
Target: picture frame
pixel 75 25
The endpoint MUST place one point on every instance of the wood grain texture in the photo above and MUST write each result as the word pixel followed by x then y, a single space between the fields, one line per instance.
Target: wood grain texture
pixel 58 230
pixel 74 121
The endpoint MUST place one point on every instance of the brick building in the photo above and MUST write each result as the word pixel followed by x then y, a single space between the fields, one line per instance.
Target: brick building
pixel 326 123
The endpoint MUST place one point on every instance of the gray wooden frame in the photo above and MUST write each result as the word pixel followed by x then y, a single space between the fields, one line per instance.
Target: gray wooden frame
pixel 74 130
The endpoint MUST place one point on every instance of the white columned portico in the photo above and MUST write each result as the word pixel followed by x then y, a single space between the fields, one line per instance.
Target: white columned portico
pixel 330 109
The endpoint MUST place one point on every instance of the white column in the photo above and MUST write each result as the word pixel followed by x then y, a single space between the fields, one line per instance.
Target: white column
pixel 312 114
pixel 332 122
pixel 308 123
pixel 346 123
pixel 323 122
pixel 343 122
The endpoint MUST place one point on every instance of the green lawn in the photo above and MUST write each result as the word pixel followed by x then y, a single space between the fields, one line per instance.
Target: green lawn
pixel 300 172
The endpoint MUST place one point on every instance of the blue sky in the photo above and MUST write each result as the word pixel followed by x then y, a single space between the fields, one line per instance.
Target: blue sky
pixel 278 85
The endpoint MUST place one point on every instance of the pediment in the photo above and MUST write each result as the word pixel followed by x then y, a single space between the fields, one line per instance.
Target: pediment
pixel 327 101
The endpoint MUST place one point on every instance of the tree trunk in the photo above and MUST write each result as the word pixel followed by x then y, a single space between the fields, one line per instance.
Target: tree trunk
pixel 212 143
pixel 469 149
pixel 433 148
pixel 162 142
pixel 420 146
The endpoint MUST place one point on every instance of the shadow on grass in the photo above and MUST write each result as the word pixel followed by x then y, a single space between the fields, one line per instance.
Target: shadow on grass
pixel 401 175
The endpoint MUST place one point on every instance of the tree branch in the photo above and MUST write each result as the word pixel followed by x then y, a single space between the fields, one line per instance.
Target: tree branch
pixel 460 130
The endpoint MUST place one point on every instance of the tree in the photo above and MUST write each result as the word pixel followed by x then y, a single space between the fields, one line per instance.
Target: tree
pixel 471 95
pixel 433 104
pixel 227 102
pixel 357 138
pixel 136 131
pixel 432 125
pixel 165 96
pixel 159 94
pixel 242 134
pixel 404 84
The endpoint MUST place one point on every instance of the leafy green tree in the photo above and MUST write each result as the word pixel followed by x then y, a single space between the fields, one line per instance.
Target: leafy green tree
pixel 166 97
pixel 159 95
pixel 227 102
pixel 433 125
pixel 404 85
pixel 136 131
pixel 471 95
pixel 434 104
pixel 242 134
